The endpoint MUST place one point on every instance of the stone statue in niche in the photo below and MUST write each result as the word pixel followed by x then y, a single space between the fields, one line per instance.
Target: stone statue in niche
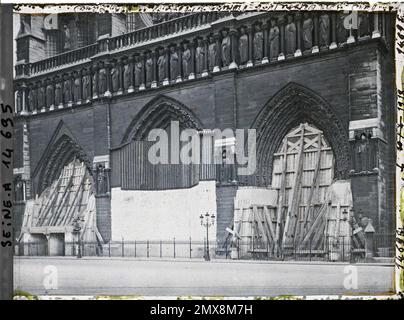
pixel 49 95
pixel 102 180
pixel 212 53
pixel 66 32
pixel 149 67
pixel 86 87
pixel 363 24
pixel 67 93
pixel 19 189
pixel 102 81
pixel 307 29
pixel 115 78
pixel 31 103
pixel 174 63
pixel 273 39
pixel 139 70
pixel 226 48
pixel 342 32
pixel 243 46
pixel 126 77
pixel 161 64
pixel 290 36
pixel 41 97
pixel 95 84
pixel 76 88
pixel 19 100
pixel 199 56
pixel 364 153
pixel 324 30
pixel 258 43
pixel 186 60
pixel 58 93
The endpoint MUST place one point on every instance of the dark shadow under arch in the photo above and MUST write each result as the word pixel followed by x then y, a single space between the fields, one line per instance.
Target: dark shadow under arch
pixel 292 105
pixel 157 113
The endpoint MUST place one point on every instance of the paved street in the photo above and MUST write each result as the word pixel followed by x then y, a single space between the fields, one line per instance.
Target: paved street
pixel 109 276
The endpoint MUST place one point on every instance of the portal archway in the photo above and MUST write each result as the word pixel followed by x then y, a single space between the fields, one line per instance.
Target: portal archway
pixel 292 105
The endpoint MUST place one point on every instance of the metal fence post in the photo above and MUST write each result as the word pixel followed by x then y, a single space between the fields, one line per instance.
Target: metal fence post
pixel 147 248
pixel 161 253
pixel 190 248
pixel 135 248
pixel 109 249
pixel 310 250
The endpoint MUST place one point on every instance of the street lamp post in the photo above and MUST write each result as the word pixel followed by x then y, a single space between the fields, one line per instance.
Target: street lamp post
pixel 207 221
pixel 76 229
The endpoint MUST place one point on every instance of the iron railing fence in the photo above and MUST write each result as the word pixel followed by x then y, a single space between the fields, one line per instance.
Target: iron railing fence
pixel 330 249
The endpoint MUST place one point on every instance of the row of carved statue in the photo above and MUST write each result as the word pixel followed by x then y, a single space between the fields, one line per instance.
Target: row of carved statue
pixel 230 48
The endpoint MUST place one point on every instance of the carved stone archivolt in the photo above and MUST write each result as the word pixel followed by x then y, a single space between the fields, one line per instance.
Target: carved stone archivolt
pixel 292 105
pixel 157 114
pixel 60 153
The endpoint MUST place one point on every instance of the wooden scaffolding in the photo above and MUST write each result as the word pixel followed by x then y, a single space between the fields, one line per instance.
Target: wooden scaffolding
pixel 310 212
pixel 69 198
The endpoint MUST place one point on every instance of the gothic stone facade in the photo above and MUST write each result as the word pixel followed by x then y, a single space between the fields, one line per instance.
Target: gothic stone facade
pixel 269 71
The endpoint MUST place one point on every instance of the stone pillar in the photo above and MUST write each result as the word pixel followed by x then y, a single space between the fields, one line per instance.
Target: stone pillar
pixel 192 62
pixel 155 69
pixel 94 81
pixel 142 85
pixel 24 97
pixel 316 30
pixel 119 65
pixel 42 93
pixel 131 61
pixel 166 80
pixel 34 100
pixel 298 24
pixel 351 38
pixel 179 66
pixel 108 91
pixel 250 33
pixel 333 44
pixel 282 22
pixel 265 28
pixel 369 247
pixel 69 241
pixel 218 53
pixel 77 87
pixel 376 31
pixel 205 43
pixel 50 95
pixel 70 80
pixel 233 48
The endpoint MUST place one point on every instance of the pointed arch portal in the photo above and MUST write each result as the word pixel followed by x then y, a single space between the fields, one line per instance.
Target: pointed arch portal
pixel 291 106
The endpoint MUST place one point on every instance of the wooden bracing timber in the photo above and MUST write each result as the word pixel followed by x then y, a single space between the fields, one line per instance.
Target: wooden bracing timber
pixel 281 202
pixel 314 187
pixel 292 215
pixel 68 197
